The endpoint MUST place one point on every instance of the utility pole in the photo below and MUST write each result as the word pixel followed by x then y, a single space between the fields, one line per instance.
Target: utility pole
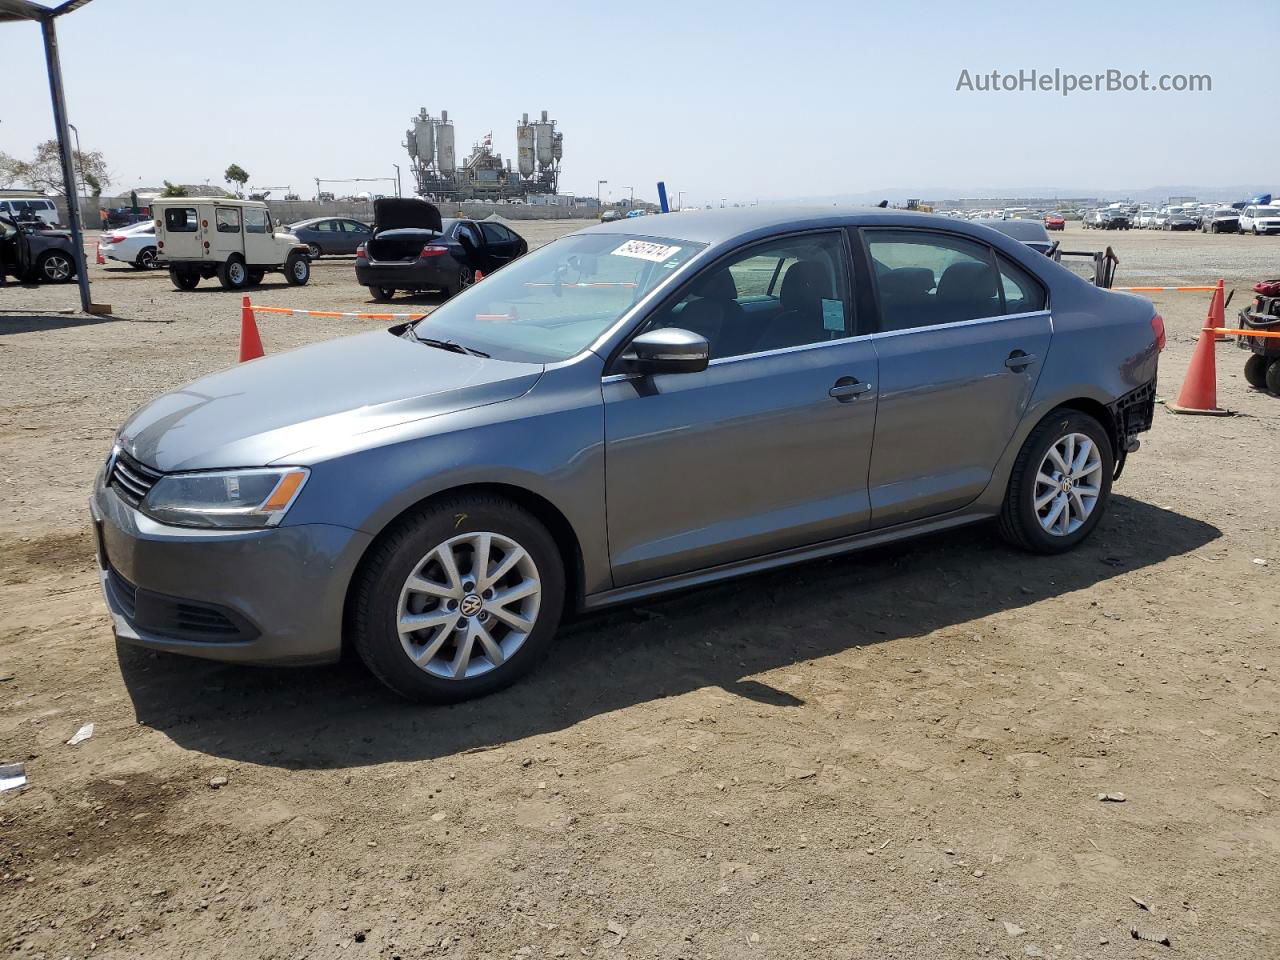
pixel 599 184
pixel 633 195
pixel 397 166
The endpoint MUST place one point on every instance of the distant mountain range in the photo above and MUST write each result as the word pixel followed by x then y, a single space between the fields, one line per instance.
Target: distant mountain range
pixel 1142 194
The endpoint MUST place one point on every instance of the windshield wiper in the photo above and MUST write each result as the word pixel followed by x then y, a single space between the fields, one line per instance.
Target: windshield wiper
pixel 451 345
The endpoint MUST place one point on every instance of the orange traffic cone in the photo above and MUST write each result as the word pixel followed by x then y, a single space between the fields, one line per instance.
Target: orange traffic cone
pixel 250 342
pixel 1218 311
pixel 99 258
pixel 1200 389
pixel 479 276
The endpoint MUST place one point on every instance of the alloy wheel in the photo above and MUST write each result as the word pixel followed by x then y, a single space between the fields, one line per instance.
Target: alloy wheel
pixel 313 251
pixel 469 605
pixel 1068 484
pixel 57 267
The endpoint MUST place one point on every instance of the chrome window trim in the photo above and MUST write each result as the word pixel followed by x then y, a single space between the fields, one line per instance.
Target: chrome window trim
pixel 959 323
pixel 780 351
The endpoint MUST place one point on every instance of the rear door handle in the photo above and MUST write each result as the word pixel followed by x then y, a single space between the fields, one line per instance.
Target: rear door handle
pixel 847 388
pixel 1018 360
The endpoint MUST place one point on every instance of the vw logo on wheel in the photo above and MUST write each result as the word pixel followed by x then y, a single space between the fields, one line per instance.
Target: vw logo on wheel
pixel 470 605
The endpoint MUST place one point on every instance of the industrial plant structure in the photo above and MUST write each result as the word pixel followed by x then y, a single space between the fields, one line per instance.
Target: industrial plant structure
pixel 483 175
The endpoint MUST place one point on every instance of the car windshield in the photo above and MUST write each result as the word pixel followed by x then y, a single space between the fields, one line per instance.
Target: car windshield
pixel 552 303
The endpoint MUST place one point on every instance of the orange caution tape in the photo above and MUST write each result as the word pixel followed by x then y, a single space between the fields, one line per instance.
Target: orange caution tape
pixel 1246 333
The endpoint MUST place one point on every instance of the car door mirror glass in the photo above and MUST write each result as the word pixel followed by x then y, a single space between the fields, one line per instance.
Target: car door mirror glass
pixel 667 350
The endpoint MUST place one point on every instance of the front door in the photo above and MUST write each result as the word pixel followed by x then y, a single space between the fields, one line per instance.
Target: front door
pixel 964 334
pixel 260 245
pixel 768 447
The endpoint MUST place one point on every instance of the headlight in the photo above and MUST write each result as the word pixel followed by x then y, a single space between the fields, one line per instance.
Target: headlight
pixel 239 499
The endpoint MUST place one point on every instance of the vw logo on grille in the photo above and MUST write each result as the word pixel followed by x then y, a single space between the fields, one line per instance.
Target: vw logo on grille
pixel 470 605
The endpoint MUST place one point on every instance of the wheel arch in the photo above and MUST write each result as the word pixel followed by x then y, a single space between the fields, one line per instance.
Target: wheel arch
pixel 542 509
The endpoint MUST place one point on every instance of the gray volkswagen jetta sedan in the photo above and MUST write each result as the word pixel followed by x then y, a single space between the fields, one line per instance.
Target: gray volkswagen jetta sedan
pixel 614 416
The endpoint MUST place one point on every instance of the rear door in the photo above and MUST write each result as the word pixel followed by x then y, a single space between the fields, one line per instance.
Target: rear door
pixel 963 334
pixel 501 242
pixel 225 232
pixel 180 233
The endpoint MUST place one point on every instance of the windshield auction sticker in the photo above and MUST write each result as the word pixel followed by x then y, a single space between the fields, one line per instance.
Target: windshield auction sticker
pixel 646 250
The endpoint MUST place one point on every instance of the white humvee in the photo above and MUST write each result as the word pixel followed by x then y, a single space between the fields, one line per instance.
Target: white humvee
pixel 234 240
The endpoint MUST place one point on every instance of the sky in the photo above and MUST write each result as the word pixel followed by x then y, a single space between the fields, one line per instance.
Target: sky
pixel 740 100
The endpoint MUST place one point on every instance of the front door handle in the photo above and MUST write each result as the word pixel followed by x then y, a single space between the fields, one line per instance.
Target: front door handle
pixel 1019 360
pixel 847 388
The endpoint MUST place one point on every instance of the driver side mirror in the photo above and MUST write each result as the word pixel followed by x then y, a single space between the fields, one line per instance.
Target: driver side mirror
pixel 668 350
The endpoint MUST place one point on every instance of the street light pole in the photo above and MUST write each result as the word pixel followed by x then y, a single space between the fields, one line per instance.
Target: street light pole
pixel 397 166
pixel 680 199
pixel 633 196
pixel 599 184
pixel 84 187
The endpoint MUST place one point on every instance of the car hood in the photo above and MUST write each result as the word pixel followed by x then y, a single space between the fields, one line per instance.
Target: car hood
pixel 392 213
pixel 278 406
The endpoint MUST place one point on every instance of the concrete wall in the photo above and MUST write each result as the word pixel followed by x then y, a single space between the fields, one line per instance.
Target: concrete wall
pixel 289 211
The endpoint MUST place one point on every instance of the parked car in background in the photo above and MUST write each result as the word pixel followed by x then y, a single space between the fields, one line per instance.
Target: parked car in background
pixel 1259 220
pixel 1158 220
pixel 34 253
pixel 1114 219
pixel 1055 221
pixel 1143 222
pixel 33 207
pixel 632 214
pixel 1222 220
pixel 135 245
pixel 326 236
pixel 1180 221
pixel 126 216
pixel 411 248
pixel 1031 232
pixel 616 416
pixel 609 216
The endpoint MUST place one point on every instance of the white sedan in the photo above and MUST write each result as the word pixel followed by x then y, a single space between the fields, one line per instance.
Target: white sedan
pixel 134 245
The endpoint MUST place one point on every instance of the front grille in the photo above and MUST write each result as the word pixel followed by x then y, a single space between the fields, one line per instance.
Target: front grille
pixel 132 480
pixel 175 617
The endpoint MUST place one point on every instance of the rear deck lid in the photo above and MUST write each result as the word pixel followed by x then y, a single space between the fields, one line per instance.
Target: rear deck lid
pixel 397 213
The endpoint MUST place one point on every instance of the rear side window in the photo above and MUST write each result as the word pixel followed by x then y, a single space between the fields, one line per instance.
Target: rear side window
pixel 925 279
pixel 228 219
pixel 180 219
pixel 494 233
pixel 1022 292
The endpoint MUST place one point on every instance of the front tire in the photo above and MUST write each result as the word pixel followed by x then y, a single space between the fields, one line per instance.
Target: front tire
pixel 458 600
pixel 314 251
pixel 56 267
pixel 297 269
pixel 233 274
pixel 1060 484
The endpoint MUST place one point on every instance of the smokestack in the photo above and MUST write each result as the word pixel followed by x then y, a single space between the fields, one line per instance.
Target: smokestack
pixel 544 116
pixel 444 115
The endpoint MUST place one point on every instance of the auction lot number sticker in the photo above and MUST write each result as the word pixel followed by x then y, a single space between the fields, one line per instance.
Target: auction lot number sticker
pixel 646 250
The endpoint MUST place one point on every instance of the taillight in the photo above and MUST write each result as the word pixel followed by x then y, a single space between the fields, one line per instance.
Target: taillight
pixel 432 250
pixel 1157 327
pixel 360 253
pixel 116 239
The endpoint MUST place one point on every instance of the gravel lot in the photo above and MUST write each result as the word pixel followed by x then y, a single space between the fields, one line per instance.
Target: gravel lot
pixel 893 754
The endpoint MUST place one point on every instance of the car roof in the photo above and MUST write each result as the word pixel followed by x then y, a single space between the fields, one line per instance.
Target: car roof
pixel 221 201
pixel 717 227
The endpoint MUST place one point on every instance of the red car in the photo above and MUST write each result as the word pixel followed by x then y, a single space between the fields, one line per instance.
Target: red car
pixel 1054 222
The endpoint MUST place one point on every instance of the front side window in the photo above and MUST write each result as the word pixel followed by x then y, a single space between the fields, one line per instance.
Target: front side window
pixel 256 220
pixel 924 279
pixel 180 219
pixel 227 219
pixel 784 293
pixel 552 303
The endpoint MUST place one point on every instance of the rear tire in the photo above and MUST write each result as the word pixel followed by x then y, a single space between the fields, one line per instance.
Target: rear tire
pixel 146 259
pixel 184 279
pixel 1273 377
pixel 466 277
pixel 1021 522
pixel 383 597
pixel 233 274
pixel 297 269
pixel 256 277
pixel 382 294
pixel 1255 371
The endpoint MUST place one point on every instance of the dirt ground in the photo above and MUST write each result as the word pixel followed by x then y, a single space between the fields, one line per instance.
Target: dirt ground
pixel 893 754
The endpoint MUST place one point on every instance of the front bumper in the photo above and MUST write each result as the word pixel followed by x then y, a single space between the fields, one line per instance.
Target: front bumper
pixel 271 596
pixel 432 274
